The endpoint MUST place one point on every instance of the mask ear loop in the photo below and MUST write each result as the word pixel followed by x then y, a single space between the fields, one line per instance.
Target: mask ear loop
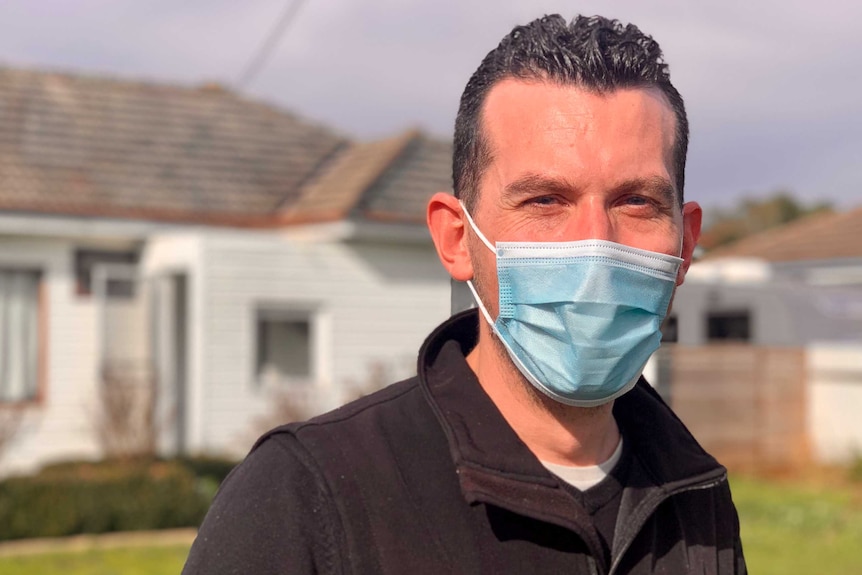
pixel 470 282
pixel 481 305
pixel 476 228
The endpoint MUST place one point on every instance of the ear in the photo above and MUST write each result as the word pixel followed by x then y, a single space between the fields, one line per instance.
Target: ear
pixel 446 224
pixel 692 216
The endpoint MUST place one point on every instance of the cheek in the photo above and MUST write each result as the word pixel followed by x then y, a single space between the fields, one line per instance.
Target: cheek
pixel 485 277
pixel 666 248
pixel 663 238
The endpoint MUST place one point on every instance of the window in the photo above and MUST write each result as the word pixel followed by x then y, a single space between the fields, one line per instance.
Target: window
pixel 670 330
pixel 86 261
pixel 728 326
pixel 19 335
pixel 285 346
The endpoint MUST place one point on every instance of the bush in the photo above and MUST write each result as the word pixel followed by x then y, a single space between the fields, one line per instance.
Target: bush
pixel 855 468
pixel 71 498
pixel 210 471
pixel 214 468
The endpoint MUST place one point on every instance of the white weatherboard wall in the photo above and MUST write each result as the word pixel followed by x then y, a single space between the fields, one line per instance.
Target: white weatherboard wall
pixel 374 302
pixel 60 427
pixel 835 401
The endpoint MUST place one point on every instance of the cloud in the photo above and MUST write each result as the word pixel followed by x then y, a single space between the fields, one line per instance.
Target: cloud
pixel 772 88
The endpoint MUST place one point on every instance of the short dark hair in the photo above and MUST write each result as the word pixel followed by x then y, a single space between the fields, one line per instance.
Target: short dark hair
pixel 593 53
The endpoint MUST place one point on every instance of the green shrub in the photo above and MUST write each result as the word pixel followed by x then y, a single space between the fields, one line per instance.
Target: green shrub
pixel 203 466
pixel 210 471
pixel 73 498
pixel 855 468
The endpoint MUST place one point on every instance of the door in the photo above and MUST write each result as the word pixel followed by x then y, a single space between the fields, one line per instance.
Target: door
pixel 169 329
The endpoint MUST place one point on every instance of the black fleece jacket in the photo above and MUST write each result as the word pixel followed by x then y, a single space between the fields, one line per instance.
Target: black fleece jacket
pixel 426 476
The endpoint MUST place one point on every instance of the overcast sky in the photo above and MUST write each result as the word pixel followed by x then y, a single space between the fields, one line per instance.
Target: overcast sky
pixel 773 88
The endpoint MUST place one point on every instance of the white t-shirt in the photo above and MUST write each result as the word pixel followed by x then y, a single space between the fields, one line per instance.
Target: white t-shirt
pixel 583 478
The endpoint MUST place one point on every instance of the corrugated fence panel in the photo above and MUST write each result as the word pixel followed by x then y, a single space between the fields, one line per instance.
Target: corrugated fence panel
pixel 745 404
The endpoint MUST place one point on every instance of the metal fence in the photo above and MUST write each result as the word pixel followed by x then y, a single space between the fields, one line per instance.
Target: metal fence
pixel 745 404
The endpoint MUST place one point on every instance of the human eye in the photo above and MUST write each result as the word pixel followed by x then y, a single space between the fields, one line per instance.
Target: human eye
pixel 646 197
pixel 636 201
pixel 544 200
pixel 640 205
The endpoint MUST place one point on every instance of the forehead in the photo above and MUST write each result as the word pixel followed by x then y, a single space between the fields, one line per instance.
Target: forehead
pixel 537 125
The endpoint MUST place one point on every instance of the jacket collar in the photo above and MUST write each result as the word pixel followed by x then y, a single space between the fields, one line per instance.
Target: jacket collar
pixel 482 441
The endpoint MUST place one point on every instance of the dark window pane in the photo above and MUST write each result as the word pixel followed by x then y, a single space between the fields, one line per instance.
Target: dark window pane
pixel 729 326
pixel 19 334
pixel 669 330
pixel 284 349
pixel 86 260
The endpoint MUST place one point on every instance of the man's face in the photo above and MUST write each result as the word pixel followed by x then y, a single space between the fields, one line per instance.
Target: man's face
pixel 570 165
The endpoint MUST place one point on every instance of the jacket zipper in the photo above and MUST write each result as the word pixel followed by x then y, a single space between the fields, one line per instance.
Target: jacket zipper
pixel 652 506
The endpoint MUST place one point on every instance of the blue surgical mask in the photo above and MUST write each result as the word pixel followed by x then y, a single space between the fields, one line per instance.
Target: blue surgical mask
pixel 579 319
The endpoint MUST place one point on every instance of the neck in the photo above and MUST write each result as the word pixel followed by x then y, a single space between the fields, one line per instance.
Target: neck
pixel 554 432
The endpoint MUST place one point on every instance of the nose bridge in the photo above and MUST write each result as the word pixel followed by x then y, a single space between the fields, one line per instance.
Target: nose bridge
pixel 591 221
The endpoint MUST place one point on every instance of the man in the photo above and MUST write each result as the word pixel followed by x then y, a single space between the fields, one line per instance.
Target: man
pixel 527 443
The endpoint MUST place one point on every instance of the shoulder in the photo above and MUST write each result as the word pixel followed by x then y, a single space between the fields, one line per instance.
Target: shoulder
pixel 393 410
pixel 365 442
pixel 277 510
pixel 271 515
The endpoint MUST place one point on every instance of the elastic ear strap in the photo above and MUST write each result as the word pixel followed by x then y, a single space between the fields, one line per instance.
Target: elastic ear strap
pixel 480 304
pixel 476 229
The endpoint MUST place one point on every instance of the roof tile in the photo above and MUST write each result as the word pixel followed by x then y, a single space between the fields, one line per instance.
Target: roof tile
pixel 819 236
pixel 73 141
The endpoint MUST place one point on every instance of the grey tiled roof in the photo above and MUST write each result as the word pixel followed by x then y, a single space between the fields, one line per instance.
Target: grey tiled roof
pixel 402 191
pixel 107 147
pixel 338 189
pixel 819 236
pixel 388 180
pixel 97 145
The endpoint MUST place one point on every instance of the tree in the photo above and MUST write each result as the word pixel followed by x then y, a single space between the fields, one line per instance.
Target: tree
pixel 125 423
pixel 753 216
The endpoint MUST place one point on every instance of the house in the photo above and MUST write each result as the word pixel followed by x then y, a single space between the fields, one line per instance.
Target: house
pixel 769 366
pixel 175 262
pixel 790 285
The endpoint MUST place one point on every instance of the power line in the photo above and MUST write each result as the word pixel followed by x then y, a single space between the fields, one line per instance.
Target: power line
pixel 256 63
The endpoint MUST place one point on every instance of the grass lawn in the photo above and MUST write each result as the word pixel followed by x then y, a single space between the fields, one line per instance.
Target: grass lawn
pixel 131 561
pixel 788 528
pixel 800 527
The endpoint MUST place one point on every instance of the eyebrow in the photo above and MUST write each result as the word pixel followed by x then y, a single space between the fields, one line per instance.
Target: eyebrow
pixel 657 185
pixel 531 183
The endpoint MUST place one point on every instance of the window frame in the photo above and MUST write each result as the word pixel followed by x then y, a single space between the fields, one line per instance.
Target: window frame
pixel 670 329
pixel 288 311
pixel 728 313
pixel 42 339
pixel 101 257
